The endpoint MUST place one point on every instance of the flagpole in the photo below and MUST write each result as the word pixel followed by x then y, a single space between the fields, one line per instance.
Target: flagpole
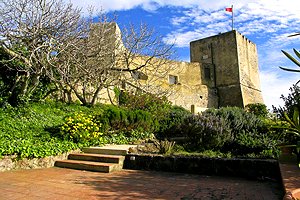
pixel 232 16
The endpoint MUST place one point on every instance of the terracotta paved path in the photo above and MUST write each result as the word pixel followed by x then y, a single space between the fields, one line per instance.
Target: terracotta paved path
pixel 62 184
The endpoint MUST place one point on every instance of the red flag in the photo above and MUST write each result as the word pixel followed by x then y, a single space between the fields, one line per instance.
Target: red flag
pixel 228 9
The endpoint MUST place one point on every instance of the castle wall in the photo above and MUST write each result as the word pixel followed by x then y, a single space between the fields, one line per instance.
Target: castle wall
pixel 249 72
pixel 220 51
pixel 234 63
pixel 190 92
pixel 223 72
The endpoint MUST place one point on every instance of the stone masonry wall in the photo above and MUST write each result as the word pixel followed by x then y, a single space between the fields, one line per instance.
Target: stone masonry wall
pixel 248 168
pixel 12 163
pixel 220 50
pixel 249 71
pixel 190 91
pixel 235 63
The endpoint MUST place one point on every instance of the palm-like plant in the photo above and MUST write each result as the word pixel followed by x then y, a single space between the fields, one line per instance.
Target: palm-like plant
pixel 293 122
pixel 295 34
pixel 294 128
pixel 293 59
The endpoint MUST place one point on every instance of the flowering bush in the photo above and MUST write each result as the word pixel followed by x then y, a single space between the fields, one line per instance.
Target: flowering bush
pixel 206 131
pixel 81 127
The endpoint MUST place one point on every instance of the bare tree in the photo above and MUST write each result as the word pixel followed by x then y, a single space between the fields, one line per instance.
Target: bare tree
pixel 146 58
pixel 86 67
pixel 49 37
pixel 32 32
pixel 106 58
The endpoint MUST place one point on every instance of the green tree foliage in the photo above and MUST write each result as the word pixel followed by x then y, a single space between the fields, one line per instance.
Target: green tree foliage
pixel 291 101
pixel 11 82
pixel 288 114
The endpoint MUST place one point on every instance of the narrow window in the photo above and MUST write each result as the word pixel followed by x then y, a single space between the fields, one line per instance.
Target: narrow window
pixel 123 85
pixel 137 75
pixel 173 79
pixel 207 73
pixel 204 57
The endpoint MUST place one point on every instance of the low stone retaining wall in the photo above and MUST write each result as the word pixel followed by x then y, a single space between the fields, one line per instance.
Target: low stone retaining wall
pixel 12 163
pixel 248 168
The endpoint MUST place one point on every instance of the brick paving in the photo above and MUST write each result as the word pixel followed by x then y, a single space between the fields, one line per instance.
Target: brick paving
pixel 65 184
pixel 291 179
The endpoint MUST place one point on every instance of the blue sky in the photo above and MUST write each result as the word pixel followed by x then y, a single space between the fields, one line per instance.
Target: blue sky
pixel 265 22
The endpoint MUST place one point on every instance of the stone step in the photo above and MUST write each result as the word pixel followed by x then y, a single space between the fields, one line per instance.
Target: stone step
pixel 105 150
pixel 97 158
pixel 89 165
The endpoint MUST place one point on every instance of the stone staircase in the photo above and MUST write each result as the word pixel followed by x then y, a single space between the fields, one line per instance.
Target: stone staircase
pixel 100 159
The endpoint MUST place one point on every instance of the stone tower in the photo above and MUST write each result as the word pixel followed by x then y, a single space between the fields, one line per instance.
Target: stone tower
pixel 229 65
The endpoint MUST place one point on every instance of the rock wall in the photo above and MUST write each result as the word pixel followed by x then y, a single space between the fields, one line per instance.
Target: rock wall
pixel 248 168
pixel 12 163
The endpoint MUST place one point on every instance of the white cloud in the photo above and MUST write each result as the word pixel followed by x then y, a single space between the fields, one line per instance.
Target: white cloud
pixel 254 17
pixel 176 21
pixel 274 84
pixel 181 40
pixel 257 7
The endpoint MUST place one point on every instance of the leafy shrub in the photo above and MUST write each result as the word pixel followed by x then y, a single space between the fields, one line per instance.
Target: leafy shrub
pixel 177 150
pixel 81 127
pixel 121 119
pixel 238 120
pixel 251 134
pixel 169 126
pixel 257 109
pixel 206 131
pixel 157 106
pixel 231 131
pixel 253 144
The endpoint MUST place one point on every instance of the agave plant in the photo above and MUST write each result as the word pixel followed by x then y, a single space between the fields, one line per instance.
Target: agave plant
pixel 293 59
pixel 294 122
pixel 164 146
pixel 295 34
